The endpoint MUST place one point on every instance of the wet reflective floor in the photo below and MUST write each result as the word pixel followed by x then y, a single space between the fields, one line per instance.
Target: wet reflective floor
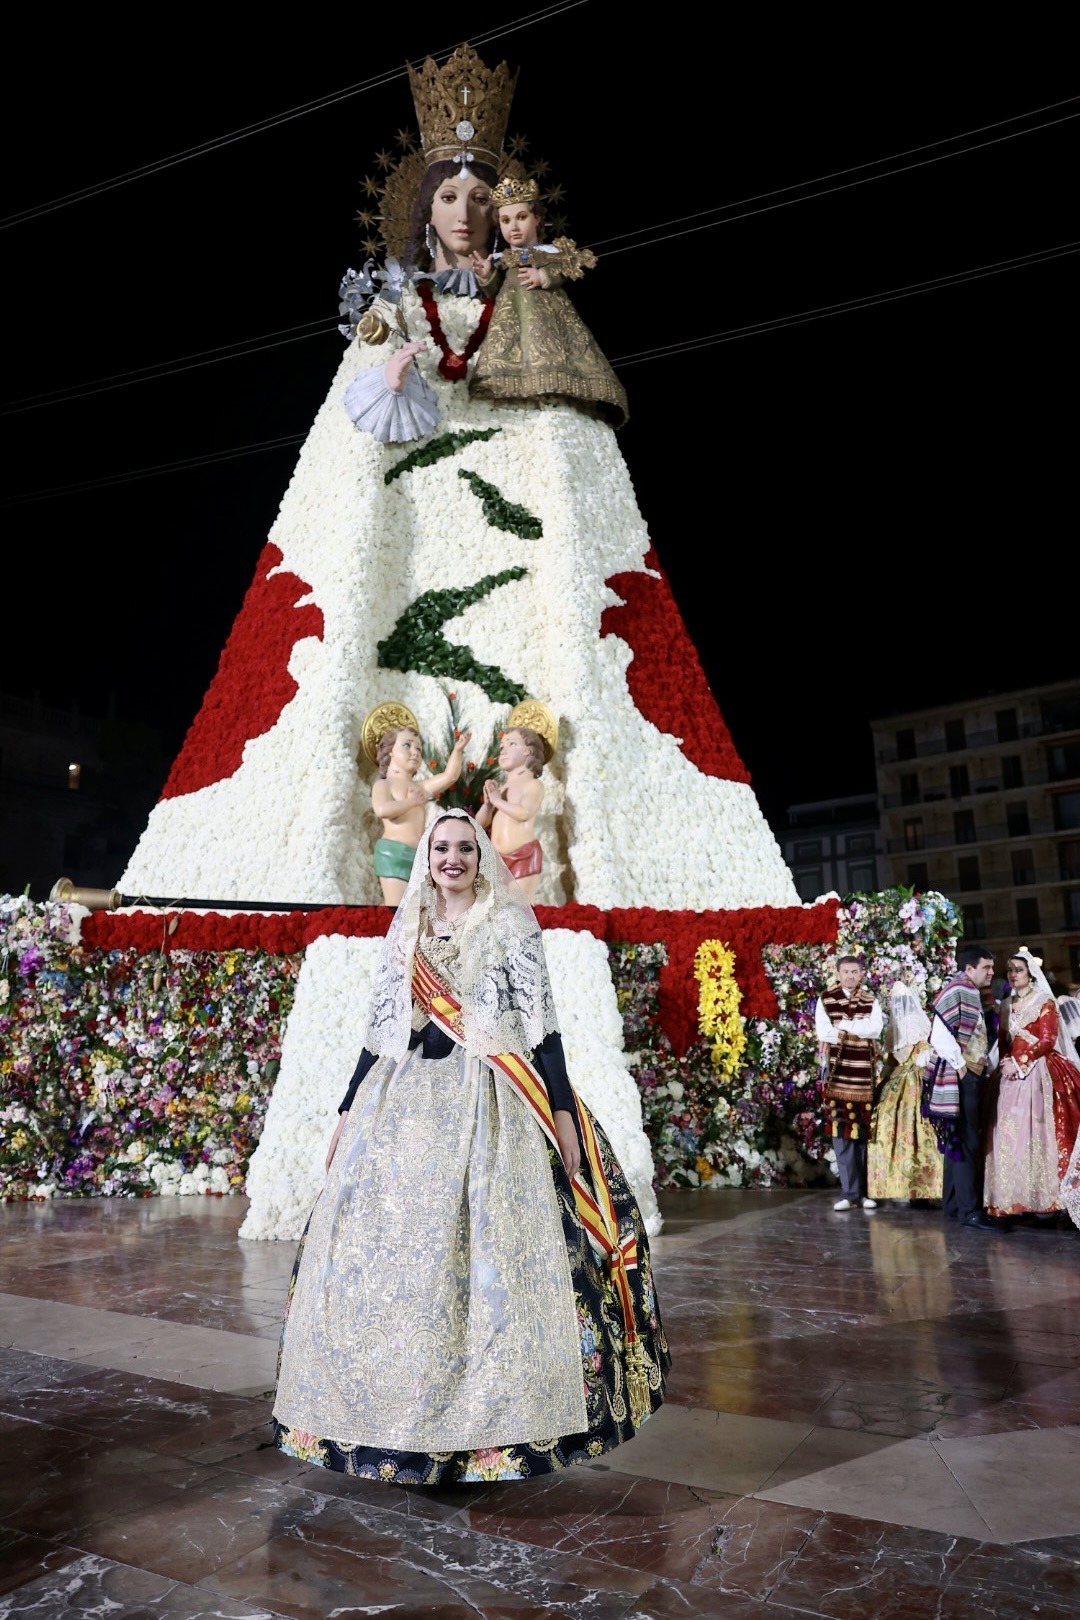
pixel 871 1416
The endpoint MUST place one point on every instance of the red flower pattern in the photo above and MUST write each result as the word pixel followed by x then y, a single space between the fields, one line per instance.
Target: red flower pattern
pixel 453 366
pixel 665 677
pixel 252 684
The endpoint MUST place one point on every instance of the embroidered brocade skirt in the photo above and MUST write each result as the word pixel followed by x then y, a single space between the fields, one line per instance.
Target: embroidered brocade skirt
pixel 903 1160
pixel 1032 1137
pixel 448 1320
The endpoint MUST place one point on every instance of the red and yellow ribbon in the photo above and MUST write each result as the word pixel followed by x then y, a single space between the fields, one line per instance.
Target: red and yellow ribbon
pixel 595 1205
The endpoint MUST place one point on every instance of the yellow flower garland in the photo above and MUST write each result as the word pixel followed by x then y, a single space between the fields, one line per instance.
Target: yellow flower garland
pixel 719 996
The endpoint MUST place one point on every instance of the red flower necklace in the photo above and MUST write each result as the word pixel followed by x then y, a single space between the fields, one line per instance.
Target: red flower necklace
pixel 453 366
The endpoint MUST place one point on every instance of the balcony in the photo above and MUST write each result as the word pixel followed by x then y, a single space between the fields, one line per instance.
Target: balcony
pixel 934 748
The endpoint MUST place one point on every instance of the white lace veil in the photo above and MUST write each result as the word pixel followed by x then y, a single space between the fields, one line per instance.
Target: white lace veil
pixel 500 977
pixel 908 1023
pixel 1069 1028
pixel 1043 994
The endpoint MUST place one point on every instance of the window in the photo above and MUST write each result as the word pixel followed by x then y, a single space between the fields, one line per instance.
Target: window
pixel 861 877
pixel 955 735
pixel 967 872
pixel 909 788
pixel 809 883
pixel 1012 771
pixel 914 837
pixel 918 875
pixel 810 851
pixel 860 844
pixel 959 786
pixel 1063 762
pixel 1007 728
pixel 974 922
pixel 1061 713
pixel 1072 908
pixel 1066 811
pixel 1023 866
pixel 964 826
pixel 1016 815
pixel 905 744
pixel 1069 859
pixel 1027 918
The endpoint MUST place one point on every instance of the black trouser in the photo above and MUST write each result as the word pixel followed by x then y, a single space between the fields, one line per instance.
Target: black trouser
pixel 851 1165
pixel 962 1180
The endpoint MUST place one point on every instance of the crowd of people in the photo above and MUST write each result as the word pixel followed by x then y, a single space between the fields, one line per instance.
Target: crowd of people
pixel 974 1101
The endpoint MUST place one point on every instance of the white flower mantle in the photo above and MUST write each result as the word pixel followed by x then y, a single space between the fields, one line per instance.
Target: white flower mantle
pixel 295 819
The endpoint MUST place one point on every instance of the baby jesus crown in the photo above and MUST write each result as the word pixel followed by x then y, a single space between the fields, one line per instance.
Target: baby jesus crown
pixel 509 191
pixel 462 107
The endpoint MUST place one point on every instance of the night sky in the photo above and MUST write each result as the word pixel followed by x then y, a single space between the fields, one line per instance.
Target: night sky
pixel 859 514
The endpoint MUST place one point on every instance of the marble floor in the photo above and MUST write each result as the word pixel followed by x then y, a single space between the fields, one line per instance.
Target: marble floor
pixel 870 1415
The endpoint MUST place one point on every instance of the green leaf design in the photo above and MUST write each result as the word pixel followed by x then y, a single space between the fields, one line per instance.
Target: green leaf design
pixel 445 445
pixel 417 641
pixel 501 513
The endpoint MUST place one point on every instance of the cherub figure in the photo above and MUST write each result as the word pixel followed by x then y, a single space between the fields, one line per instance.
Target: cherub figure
pixel 537 345
pixel 509 811
pixel 399 801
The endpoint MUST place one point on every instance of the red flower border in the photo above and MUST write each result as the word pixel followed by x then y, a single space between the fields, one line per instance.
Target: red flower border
pixel 680 932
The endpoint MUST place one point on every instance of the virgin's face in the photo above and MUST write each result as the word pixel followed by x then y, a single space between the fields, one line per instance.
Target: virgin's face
pixel 461 217
pixel 518 225
pixel 453 858
pixel 1019 977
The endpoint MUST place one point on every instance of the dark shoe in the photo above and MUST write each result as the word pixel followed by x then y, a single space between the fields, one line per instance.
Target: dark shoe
pixel 981 1221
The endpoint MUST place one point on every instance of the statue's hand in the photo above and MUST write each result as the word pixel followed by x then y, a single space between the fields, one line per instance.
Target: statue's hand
pixel 461 742
pixel 396 369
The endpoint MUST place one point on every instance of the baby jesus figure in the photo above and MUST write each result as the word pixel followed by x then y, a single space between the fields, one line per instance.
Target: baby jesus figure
pixel 509 812
pixel 537 346
pixel 400 803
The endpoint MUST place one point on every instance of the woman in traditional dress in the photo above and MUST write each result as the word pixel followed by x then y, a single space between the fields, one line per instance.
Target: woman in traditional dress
pixel 1036 1113
pixel 903 1159
pixel 473 1298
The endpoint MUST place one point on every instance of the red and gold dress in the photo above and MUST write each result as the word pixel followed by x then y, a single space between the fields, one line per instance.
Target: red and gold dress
pixel 1036 1115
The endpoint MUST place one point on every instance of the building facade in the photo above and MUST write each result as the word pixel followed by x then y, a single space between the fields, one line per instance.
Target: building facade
pixel 981 801
pixel 834 844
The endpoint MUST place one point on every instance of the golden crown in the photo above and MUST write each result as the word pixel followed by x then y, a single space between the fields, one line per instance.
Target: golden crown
pixel 462 107
pixel 509 191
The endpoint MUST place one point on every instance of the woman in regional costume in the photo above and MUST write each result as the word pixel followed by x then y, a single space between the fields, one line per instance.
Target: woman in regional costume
pixel 903 1158
pixel 473 1297
pixel 1036 1114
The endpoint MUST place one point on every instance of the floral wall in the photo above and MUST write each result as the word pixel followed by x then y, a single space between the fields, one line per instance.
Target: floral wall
pixel 140 1071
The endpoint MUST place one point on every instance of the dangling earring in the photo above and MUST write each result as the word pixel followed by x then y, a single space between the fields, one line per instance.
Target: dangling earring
pixel 432 240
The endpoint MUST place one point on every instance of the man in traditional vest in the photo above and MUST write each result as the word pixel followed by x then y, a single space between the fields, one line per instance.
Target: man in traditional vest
pixel 953 1085
pixel 848 1021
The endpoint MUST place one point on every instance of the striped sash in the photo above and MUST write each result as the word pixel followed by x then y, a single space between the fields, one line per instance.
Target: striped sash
pixel 595 1205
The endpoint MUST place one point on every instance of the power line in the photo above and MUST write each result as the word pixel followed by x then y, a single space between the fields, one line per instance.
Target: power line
pixel 168 368
pixel 204 147
pixel 188 463
pixel 689 346
pixel 912 290
pixel 240 349
pixel 848 185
